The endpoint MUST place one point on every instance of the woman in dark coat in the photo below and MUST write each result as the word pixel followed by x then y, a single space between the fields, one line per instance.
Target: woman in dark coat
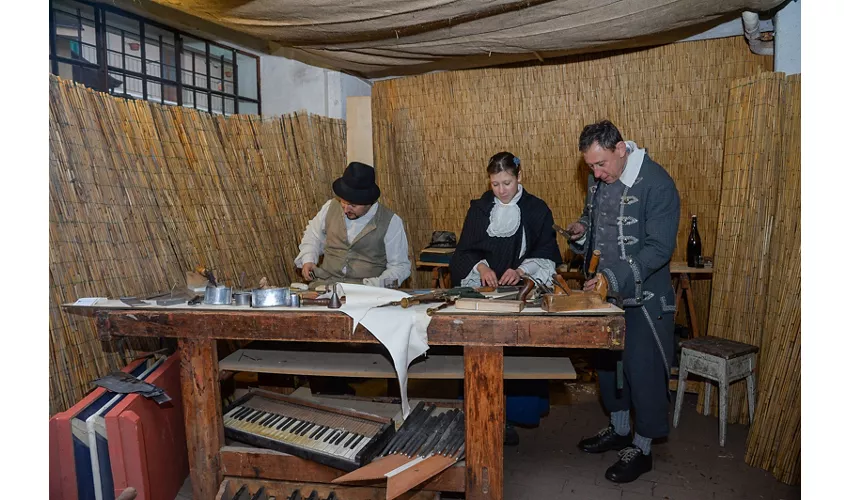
pixel 507 233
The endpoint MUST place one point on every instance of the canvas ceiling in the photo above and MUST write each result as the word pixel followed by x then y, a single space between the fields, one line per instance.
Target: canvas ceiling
pixel 375 38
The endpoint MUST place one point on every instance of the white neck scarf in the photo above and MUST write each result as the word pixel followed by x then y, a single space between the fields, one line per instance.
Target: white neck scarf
pixel 505 217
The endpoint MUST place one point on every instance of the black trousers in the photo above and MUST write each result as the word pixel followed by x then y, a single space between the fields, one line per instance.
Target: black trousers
pixel 646 370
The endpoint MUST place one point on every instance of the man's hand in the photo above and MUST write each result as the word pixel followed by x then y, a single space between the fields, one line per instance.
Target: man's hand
pixel 307 271
pixel 576 230
pixel 590 284
pixel 488 276
pixel 511 277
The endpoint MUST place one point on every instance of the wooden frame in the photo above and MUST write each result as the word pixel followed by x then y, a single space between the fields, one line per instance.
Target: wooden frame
pixel 483 337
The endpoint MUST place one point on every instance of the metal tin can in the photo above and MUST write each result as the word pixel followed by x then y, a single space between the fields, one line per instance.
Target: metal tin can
pixel 295 300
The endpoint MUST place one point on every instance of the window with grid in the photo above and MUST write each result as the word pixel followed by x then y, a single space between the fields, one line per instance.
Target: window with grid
pixel 128 56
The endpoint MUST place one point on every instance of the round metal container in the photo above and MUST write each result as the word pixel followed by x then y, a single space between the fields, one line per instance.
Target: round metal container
pixel 242 298
pixel 269 297
pixel 295 300
pixel 217 296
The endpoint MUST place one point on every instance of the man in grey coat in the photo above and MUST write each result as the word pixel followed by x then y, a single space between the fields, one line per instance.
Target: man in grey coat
pixel 631 215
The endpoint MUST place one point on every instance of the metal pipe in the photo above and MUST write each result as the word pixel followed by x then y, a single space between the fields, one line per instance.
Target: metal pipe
pixel 753 34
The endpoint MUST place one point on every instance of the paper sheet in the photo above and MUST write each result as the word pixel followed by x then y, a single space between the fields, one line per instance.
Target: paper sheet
pixel 404 332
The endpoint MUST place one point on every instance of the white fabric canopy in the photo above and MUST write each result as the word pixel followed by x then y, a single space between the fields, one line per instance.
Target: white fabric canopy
pixel 375 38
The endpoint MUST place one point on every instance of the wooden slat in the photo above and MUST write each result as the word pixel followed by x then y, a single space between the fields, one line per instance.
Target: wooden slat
pixel 358 134
pixel 484 406
pixel 259 463
pixel 202 414
pixel 283 489
pixel 367 365
pixel 583 332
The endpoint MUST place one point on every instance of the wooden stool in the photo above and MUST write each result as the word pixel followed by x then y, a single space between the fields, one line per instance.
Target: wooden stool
pixel 723 361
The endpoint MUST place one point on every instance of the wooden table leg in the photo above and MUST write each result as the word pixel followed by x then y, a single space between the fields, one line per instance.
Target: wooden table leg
pixel 484 405
pixel 692 313
pixel 435 277
pixel 683 287
pixel 445 279
pixel 202 414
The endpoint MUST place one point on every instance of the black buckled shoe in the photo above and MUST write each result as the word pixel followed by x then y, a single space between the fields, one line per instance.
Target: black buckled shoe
pixel 605 440
pixel 631 465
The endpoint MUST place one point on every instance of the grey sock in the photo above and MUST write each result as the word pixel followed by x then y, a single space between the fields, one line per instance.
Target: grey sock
pixel 642 442
pixel 620 421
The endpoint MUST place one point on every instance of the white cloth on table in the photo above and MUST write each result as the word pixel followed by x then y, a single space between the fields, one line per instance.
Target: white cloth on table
pixel 404 332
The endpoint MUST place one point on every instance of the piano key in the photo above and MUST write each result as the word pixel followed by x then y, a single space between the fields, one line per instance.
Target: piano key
pixel 260 414
pixel 304 429
pixel 242 414
pixel 232 411
pixel 359 447
pixel 308 429
pixel 275 421
pixel 321 433
pixel 250 414
pixel 351 440
pixel 359 444
pixel 290 423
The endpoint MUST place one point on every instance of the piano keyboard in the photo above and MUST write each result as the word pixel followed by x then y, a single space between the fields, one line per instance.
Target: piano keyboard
pixel 344 439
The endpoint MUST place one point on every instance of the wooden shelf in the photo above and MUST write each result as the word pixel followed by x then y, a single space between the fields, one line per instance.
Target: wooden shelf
pixel 367 365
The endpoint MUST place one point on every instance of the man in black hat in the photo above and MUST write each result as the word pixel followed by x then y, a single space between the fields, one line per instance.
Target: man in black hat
pixel 362 240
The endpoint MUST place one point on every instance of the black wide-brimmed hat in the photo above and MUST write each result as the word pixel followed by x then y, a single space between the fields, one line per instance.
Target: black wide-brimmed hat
pixel 357 184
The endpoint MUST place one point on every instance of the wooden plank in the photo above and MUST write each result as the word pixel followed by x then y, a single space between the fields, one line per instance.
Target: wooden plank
pixel 583 332
pixel 682 267
pixel 283 489
pixel 267 464
pixel 484 402
pixel 368 365
pixel 202 414
pixel 358 133
pixel 410 478
pixel 490 305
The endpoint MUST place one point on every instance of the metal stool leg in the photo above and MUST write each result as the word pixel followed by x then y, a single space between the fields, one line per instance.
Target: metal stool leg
pixel 706 404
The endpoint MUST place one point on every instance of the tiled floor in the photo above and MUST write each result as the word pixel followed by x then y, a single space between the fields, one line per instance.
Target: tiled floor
pixel 691 465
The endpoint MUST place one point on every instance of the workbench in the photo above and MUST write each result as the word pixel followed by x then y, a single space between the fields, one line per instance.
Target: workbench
pixel 483 337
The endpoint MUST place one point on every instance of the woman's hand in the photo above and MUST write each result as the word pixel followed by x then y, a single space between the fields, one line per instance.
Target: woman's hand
pixel 488 276
pixel 511 277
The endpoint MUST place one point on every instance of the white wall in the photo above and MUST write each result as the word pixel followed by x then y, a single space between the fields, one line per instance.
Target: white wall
pixel 787 40
pixel 288 85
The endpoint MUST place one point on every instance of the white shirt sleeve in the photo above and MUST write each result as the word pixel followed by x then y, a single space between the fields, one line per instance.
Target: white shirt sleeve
pixel 539 269
pixel 473 279
pixel 398 261
pixel 581 240
pixel 313 242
